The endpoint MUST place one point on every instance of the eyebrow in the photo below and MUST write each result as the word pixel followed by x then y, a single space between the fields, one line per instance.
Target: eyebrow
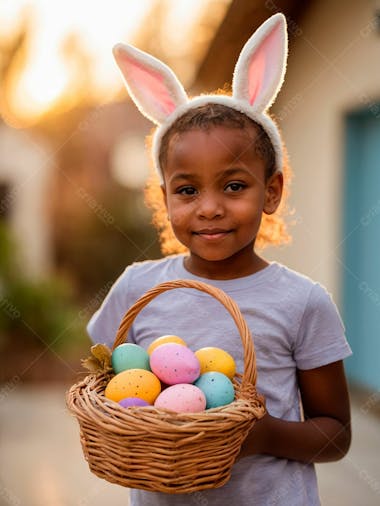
pixel 181 175
pixel 226 173
pixel 235 170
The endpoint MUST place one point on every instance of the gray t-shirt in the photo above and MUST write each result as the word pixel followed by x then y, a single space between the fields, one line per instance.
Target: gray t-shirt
pixel 294 324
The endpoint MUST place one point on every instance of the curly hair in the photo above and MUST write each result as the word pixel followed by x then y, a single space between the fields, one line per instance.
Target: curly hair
pixel 273 229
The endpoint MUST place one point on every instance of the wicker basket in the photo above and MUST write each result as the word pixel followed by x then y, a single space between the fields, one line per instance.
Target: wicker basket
pixel 157 450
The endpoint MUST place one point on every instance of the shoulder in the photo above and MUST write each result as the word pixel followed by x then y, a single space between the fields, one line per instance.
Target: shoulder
pixel 295 287
pixel 310 296
pixel 141 276
pixel 293 275
pixel 136 279
pixel 298 284
pixel 318 334
pixel 158 268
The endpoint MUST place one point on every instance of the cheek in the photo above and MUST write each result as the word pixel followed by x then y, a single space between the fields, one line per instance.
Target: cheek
pixel 248 210
pixel 178 219
pixel 179 215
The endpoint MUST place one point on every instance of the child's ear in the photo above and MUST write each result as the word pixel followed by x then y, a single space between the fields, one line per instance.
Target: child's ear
pixel 273 192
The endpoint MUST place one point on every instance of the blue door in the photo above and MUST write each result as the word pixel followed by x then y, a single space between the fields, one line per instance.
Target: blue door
pixel 361 248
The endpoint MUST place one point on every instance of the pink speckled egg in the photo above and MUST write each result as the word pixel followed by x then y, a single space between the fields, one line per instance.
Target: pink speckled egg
pixel 174 363
pixel 182 398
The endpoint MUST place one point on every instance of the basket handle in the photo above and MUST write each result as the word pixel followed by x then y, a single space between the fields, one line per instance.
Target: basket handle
pixel 249 374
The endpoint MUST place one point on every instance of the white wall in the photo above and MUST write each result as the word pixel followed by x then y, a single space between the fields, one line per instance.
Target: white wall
pixel 26 165
pixel 334 67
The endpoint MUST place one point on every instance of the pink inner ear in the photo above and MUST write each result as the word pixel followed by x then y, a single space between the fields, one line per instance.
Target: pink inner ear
pixel 150 83
pixel 262 65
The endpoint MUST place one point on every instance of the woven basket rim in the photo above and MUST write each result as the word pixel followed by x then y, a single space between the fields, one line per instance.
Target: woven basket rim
pixel 249 403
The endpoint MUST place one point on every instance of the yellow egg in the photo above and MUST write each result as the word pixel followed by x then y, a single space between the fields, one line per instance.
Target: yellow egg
pixel 216 360
pixel 163 340
pixel 133 383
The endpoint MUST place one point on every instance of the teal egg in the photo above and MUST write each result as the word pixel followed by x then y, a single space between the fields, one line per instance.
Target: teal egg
pixel 129 356
pixel 217 387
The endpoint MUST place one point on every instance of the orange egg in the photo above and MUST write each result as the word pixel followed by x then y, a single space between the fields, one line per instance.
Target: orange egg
pixel 214 359
pixel 163 340
pixel 133 383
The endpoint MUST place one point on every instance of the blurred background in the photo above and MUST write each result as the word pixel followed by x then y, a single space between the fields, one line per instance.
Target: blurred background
pixel 72 215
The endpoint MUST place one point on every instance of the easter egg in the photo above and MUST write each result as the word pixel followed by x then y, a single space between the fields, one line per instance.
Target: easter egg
pixel 163 340
pixel 216 359
pixel 133 383
pixel 182 398
pixel 130 402
pixel 218 389
pixel 129 356
pixel 174 363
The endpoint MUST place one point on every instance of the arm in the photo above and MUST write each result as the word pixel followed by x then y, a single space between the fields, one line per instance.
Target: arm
pixel 324 436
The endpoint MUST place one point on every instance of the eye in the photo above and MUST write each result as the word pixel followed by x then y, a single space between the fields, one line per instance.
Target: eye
pixel 235 187
pixel 186 190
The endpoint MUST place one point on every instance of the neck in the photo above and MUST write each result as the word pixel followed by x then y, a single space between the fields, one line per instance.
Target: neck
pixel 228 268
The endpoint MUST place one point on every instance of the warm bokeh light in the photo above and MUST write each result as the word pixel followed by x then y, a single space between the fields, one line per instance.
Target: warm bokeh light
pixel 42 80
pixel 36 90
pixel 68 51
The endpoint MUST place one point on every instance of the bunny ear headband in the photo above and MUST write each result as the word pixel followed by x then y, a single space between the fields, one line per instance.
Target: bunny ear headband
pixel 258 76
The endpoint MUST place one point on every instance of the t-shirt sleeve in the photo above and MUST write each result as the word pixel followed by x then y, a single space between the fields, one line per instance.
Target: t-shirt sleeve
pixel 321 338
pixel 104 323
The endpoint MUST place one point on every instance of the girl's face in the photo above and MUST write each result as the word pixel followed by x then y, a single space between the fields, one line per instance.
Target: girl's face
pixel 215 193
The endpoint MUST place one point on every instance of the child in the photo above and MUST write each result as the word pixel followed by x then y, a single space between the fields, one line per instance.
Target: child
pixel 220 163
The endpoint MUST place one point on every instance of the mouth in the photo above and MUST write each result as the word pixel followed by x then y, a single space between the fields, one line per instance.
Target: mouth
pixel 212 233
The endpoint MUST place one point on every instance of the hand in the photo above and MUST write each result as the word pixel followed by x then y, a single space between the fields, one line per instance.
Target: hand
pixel 255 442
pixel 325 433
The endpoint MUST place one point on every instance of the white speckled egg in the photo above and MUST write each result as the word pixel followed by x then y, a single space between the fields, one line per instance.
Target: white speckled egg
pixel 217 388
pixel 182 398
pixel 174 363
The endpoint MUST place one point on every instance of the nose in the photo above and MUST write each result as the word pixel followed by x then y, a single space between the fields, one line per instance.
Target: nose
pixel 210 206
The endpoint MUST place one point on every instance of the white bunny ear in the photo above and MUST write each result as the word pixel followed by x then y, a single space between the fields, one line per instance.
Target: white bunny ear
pixel 260 69
pixel 151 84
